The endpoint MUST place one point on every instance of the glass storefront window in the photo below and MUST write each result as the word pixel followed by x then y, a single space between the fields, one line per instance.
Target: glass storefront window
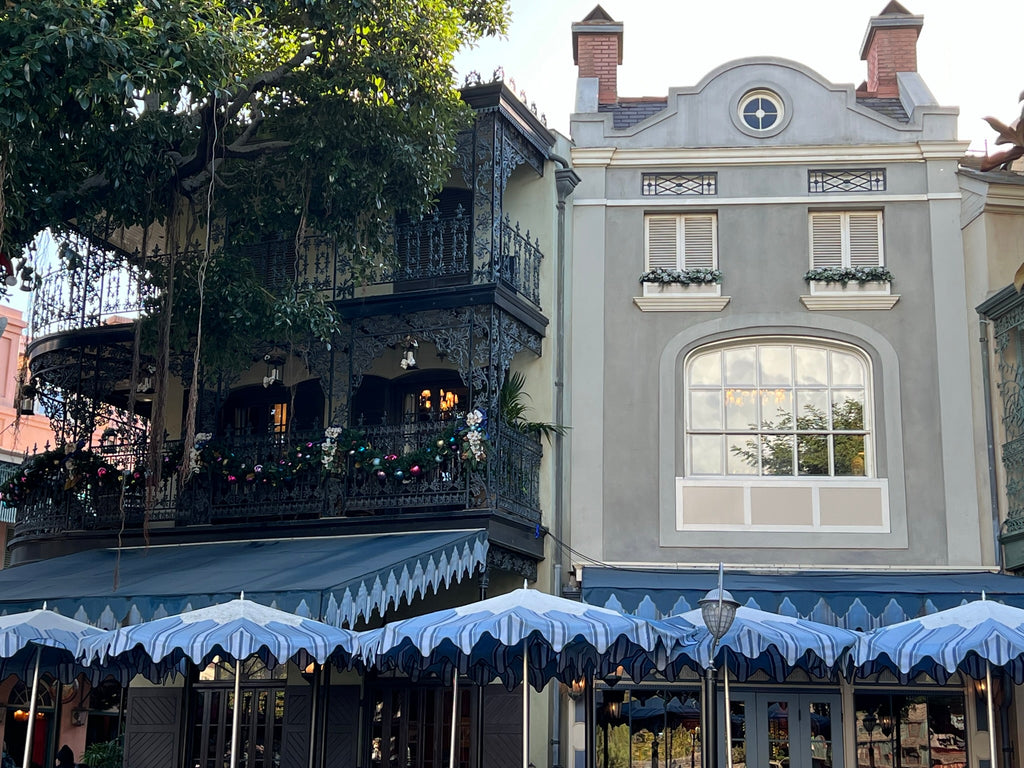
pixel 650 728
pixel 914 730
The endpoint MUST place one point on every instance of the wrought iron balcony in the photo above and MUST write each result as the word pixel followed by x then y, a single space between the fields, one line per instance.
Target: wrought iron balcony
pixel 99 286
pixel 276 479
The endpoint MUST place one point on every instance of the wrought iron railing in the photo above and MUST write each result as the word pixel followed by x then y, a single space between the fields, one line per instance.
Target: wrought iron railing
pixel 518 265
pixel 262 478
pixel 97 286
pixel 88 288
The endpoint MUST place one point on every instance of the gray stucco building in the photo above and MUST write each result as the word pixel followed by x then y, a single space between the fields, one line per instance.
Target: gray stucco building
pixel 770 368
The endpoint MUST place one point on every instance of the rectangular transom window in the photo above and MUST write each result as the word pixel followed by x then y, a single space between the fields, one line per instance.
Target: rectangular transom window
pixel 681 241
pixel 846 239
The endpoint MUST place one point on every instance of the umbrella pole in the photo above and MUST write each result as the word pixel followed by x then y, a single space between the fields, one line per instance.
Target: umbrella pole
pixel 455 714
pixel 728 713
pixel 526 710
pixel 991 713
pixel 236 714
pixel 27 759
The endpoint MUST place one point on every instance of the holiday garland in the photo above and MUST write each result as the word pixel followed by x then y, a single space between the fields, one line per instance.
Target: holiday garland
pixel 341 452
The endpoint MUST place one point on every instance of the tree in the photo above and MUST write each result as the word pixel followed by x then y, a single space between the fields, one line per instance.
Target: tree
pixel 812 440
pixel 327 114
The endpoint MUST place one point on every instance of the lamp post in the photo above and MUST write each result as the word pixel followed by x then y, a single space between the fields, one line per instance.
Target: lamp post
pixel 718 609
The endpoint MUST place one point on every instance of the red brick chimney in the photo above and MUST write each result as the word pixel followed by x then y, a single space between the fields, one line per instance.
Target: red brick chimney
pixel 890 46
pixel 597 50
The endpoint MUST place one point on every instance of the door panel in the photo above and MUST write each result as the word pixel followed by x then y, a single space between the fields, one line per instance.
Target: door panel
pixel 783 730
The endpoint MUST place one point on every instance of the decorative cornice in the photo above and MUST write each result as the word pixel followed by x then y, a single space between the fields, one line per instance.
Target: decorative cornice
pixel 668 158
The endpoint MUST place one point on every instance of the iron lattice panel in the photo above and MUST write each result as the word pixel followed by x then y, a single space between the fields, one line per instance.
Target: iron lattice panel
pixel 676 184
pixel 846 180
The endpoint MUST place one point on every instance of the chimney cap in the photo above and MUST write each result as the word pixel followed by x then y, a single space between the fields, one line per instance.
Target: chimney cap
pixel 596 22
pixel 893 16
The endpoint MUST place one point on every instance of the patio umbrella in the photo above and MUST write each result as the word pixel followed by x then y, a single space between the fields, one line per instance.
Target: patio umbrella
pixel 969 638
pixel 237 630
pixel 761 641
pixel 522 636
pixel 35 642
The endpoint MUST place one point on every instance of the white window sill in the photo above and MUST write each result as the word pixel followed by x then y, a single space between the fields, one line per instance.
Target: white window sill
pixel 677 297
pixel 843 301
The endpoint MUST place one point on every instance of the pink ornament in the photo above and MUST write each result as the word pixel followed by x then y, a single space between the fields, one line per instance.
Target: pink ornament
pixel 415 470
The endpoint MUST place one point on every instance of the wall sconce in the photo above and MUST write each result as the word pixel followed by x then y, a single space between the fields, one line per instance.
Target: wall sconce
pixel 885 724
pixel 274 364
pixel 27 279
pixel 410 345
pixel 27 399
pixel 577 689
pixel 144 390
pixel 20 715
pixel 613 704
pixel 78 717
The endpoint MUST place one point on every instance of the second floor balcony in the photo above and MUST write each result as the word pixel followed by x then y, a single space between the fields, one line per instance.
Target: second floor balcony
pixel 427 468
pixel 93 286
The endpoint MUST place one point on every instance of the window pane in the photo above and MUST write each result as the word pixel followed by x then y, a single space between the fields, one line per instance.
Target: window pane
pixel 777 455
pixel 706 370
pixel 821 735
pixel 847 409
pixel 706 409
pixel 813 454
pixel 739 367
pixel 847 370
pixel 778 734
pixel 776 366
pixel 776 409
pixel 741 409
pixel 849 455
pixel 812 409
pixel 741 455
pixel 706 454
pixel 811 367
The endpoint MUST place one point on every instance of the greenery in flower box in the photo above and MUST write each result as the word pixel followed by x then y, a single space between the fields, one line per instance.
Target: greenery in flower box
pixel 846 275
pixel 697 275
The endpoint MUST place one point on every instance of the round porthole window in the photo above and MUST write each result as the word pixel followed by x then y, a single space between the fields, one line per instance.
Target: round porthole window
pixel 761 111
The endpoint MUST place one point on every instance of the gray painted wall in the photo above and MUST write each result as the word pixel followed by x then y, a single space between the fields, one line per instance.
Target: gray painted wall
pixel 626 377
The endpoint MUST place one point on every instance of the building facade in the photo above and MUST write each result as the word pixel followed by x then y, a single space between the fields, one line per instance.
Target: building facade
pixel 770 369
pixel 384 471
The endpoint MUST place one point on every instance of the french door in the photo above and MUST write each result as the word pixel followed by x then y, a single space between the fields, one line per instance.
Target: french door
pixel 783 730
pixel 261 722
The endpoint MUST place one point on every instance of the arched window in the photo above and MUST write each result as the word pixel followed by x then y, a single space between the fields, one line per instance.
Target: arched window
pixel 778 407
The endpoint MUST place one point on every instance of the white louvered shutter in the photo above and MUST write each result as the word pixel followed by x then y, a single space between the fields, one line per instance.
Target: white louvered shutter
pixel 699 242
pixel 662 242
pixel 865 239
pixel 826 240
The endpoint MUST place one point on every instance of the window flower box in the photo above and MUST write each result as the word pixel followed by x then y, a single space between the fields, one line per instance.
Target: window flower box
pixel 855 280
pixel 681 282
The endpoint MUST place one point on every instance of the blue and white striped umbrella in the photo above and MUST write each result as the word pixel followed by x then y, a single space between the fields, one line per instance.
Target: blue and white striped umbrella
pixel 768 642
pixel 957 639
pixel 21 634
pixel 564 639
pixel 40 641
pixel 237 630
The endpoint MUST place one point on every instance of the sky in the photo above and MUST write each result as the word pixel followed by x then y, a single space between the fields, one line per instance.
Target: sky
pixel 969 52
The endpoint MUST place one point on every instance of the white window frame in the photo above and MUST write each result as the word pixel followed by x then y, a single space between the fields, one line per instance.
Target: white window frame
pixel 681 241
pixel 868 428
pixel 853 250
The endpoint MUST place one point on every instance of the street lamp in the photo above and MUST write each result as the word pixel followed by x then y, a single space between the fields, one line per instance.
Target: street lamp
pixel 717 609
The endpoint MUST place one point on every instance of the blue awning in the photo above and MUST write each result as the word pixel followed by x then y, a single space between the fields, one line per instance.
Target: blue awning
pixel 845 599
pixel 337 579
